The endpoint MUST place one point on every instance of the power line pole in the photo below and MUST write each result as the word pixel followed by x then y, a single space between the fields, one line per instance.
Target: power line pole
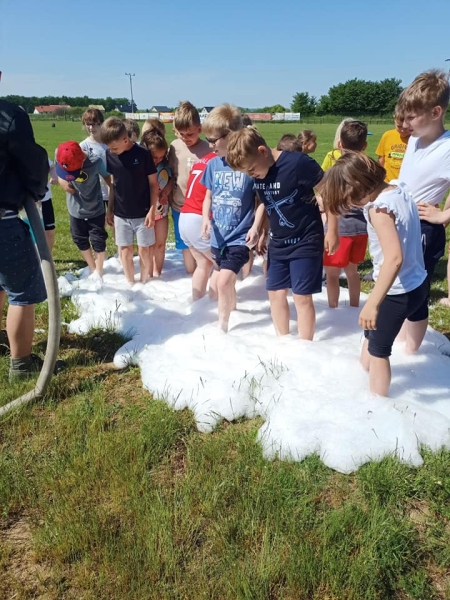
pixel 130 75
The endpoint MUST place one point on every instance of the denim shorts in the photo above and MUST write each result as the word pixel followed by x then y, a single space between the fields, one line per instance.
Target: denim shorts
pixel 302 275
pixel 20 268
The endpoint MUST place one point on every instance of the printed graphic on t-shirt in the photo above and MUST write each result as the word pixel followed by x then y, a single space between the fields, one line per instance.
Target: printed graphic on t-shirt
pixel 227 199
pixel 276 205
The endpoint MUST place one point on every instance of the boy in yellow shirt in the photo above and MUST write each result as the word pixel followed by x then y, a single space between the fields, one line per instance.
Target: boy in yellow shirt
pixel 392 148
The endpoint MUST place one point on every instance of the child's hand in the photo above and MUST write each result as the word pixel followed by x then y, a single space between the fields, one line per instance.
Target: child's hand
pixel 331 242
pixel 66 186
pixel 251 238
pixel 206 229
pixel 110 218
pixel 261 246
pixel 150 218
pixel 368 316
pixel 54 181
pixel 433 214
pixel 163 198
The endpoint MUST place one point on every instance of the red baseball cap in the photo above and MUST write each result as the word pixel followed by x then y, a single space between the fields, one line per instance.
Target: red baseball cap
pixel 69 160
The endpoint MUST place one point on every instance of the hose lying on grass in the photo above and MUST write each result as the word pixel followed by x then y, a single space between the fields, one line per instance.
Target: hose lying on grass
pixel 54 312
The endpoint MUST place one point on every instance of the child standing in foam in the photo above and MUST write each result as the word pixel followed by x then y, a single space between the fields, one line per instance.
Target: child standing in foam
pixel 183 153
pixel 132 207
pixel 395 245
pixel 92 120
pixel 191 221
pixel 352 229
pixel 426 171
pixel 285 181
pixel 85 202
pixel 156 144
pixel 231 199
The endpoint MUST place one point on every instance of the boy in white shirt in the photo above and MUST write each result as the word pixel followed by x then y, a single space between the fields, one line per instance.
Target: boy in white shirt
pixel 426 172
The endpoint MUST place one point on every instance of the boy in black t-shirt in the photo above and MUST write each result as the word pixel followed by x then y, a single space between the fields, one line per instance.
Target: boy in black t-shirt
pixel 132 209
pixel 285 182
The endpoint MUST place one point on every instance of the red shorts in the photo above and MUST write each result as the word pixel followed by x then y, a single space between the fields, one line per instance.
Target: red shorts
pixel 352 249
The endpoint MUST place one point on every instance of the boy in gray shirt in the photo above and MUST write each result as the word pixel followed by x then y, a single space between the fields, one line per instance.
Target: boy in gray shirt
pixel 78 175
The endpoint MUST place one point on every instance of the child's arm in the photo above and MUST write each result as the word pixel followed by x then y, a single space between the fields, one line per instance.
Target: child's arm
pixel 53 175
pixel 253 233
pixel 434 214
pixel 66 186
pixel 110 210
pixel 164 194
pixel 154 192
pixel 381 160
pixel 332 235
pixel 206 211
pixel 384 224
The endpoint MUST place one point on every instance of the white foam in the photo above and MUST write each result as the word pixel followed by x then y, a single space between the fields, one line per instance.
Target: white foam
pixel 313 396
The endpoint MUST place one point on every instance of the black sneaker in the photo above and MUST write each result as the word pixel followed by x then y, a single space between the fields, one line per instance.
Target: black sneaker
pixel 4 343
pixel 34 368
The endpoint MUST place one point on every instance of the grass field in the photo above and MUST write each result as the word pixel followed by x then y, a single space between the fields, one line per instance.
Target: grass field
pixel 107 494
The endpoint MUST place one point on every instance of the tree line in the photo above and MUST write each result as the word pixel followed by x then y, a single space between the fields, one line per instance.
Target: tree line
pixel 354 97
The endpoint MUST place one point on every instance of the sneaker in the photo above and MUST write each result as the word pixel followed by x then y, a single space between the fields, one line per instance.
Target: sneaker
pixel 33 368
pixel 4 343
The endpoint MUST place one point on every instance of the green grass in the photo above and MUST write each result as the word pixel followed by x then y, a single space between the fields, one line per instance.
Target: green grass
pixel 106 493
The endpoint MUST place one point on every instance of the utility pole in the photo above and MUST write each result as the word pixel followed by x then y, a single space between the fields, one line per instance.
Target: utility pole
pixel 130 75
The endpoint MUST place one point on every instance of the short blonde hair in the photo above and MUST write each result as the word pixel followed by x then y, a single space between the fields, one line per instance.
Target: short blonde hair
pixel 113 129
pixel 337 135
pixel 243 146
pixel 132 126
pixel 154 124
pixel 428 90
pixel 222 120
pixel 186 115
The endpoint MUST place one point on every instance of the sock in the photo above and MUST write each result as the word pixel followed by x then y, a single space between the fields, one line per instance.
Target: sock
pixel 21 364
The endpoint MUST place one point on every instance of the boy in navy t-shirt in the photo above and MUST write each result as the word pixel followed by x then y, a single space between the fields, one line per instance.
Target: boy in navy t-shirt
pixel 230 198
pixel 285 182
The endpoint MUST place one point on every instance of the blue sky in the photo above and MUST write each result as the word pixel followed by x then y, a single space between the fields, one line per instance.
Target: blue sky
pixel 251 54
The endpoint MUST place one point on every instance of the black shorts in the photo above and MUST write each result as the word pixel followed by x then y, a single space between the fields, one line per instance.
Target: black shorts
pixel 89 232
pixel 392 313
pixel 433 247
pixel 302 275
pixel 232 258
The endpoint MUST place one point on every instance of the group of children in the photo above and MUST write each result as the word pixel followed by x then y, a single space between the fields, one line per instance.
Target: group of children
pixel 233 193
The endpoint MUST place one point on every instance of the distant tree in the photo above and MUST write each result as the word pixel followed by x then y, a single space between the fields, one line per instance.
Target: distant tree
pixel 303 103
pixel 359 97
pixel 114 113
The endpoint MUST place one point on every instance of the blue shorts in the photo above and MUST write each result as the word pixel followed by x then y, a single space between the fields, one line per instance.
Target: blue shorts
pixel 20 268
pixel 302 275
pixel 179 244
pixel 232 258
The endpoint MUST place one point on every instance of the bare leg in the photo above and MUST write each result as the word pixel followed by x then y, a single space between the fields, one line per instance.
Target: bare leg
pixel 126 258
pixel 415 332
pixel 226 282
pixel 379 375
pixel 201 273
pixel 20 328
pixel 159 253
pixel 146 262
pixel 333 287
pixel 365 356
pixel 89 258
pixel 446 301
pixel 245 271
pixel 50 237
pixel 279 309
pixel 189 262
pixel 99 260
pixel 306 316
pixel 212 291
pixel 354 283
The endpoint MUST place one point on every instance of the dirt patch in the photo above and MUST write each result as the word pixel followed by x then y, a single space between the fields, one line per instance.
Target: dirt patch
pixel 23 575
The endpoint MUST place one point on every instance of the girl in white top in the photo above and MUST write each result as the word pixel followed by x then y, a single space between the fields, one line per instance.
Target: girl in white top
pixel 395 245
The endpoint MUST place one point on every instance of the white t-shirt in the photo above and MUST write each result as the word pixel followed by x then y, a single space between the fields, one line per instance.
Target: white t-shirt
pixel 400 203
pixel 426 171
pixel 97 149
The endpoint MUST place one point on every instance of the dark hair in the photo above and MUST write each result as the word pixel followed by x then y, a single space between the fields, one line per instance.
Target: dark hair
pixel 153 140
pixel 353 136
pixel 290 143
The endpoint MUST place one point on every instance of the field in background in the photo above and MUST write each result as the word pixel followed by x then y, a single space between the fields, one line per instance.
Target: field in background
pixel 107 494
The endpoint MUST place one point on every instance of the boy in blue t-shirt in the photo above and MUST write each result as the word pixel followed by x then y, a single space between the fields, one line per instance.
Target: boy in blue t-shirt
pixel 285 182
pixel 231 200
